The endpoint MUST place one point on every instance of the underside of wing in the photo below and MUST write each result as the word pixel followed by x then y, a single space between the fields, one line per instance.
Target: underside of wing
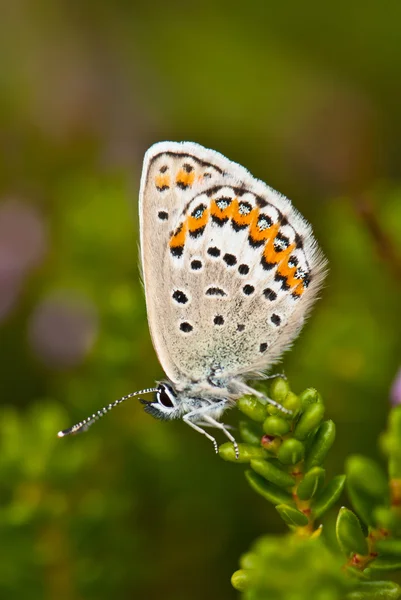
pixel 230 267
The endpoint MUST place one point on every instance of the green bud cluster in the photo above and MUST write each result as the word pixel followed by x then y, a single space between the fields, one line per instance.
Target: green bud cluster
pixel 285 452
pixel 280 568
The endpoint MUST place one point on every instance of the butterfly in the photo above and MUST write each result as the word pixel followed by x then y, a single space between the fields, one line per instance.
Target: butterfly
pixel 230 271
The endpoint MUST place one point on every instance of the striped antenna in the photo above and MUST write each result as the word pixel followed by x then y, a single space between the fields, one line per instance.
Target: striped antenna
pixel 86 423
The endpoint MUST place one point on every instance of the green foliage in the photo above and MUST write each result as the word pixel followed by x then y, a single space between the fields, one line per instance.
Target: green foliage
pixel 278 568
pixel 285 452
pixel 291 476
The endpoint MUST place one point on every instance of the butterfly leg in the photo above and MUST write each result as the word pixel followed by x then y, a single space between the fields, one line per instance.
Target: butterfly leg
pixel 224 429
pixel 265 399
pixel 187 419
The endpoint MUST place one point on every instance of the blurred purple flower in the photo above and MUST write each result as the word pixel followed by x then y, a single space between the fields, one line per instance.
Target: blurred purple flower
pixel 23 242
pixel 395 392
pixel 62 329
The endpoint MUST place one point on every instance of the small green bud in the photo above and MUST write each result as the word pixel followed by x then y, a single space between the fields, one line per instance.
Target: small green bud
pixel 309 420
pixel 309 396
pixel 375 590
pixel 311 483
pixel 329 496
pixel 291 451
pixel 252 408
pixel 246 452
pixel 271 444
pixel 272 473
pixel 322 442
pixel 249 560
pixel 292 516
pixel 279 389
pixel 271 492
pixel 276 426
pixel 249 433
pixel 349 533
pixel 292 403
pixel 241 580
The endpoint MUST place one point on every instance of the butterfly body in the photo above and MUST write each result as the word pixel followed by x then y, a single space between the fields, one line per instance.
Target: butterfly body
pixel 230 270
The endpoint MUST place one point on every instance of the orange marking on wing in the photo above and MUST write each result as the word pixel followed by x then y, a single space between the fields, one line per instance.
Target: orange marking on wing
pixel 240 219
pixel 195 224
pixel 265 234
pixel 185 178
pixel 271 256
pixel 225 213
pixel 178 238
pixel 289 272
pixel 162 181
pixel 299 290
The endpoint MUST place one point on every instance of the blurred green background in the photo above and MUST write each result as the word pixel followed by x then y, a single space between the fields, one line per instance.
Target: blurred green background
pixel 307 96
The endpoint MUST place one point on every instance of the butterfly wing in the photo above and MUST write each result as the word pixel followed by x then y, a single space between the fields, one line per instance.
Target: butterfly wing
pixel 230 267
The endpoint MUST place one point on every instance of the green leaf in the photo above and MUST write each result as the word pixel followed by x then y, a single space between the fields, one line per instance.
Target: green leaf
pixel 329 496
pixel 249 433
pixel 367 487
pixel 272 473
pixel 394 422
pixel 392 443
pixel 349 533
pixel 322 442
pixel 246 452
pixel 271 492
pixel 309 420
pixel 367 475
pixel 375 590
pixel 291 451
pixel 252 408
pixel 390 547
pixel 292 516
pixel 385 564
pixel 276 426
pixel 311 483
pixel 384 516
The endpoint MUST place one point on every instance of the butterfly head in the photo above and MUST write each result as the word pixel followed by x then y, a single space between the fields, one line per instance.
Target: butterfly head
pixel 165 404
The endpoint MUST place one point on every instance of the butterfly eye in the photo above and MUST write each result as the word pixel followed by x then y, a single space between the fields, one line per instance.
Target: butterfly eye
pixel 164 397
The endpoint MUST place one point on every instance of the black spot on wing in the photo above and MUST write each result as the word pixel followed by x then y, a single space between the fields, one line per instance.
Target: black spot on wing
pixel 213 251
pixel 243 269
pixel 230 259
pixel 215 291
pixel 269 294
pixel 180 297
pixel 275 319
pixel 196 265
pixel 248 290
pixel 177 251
